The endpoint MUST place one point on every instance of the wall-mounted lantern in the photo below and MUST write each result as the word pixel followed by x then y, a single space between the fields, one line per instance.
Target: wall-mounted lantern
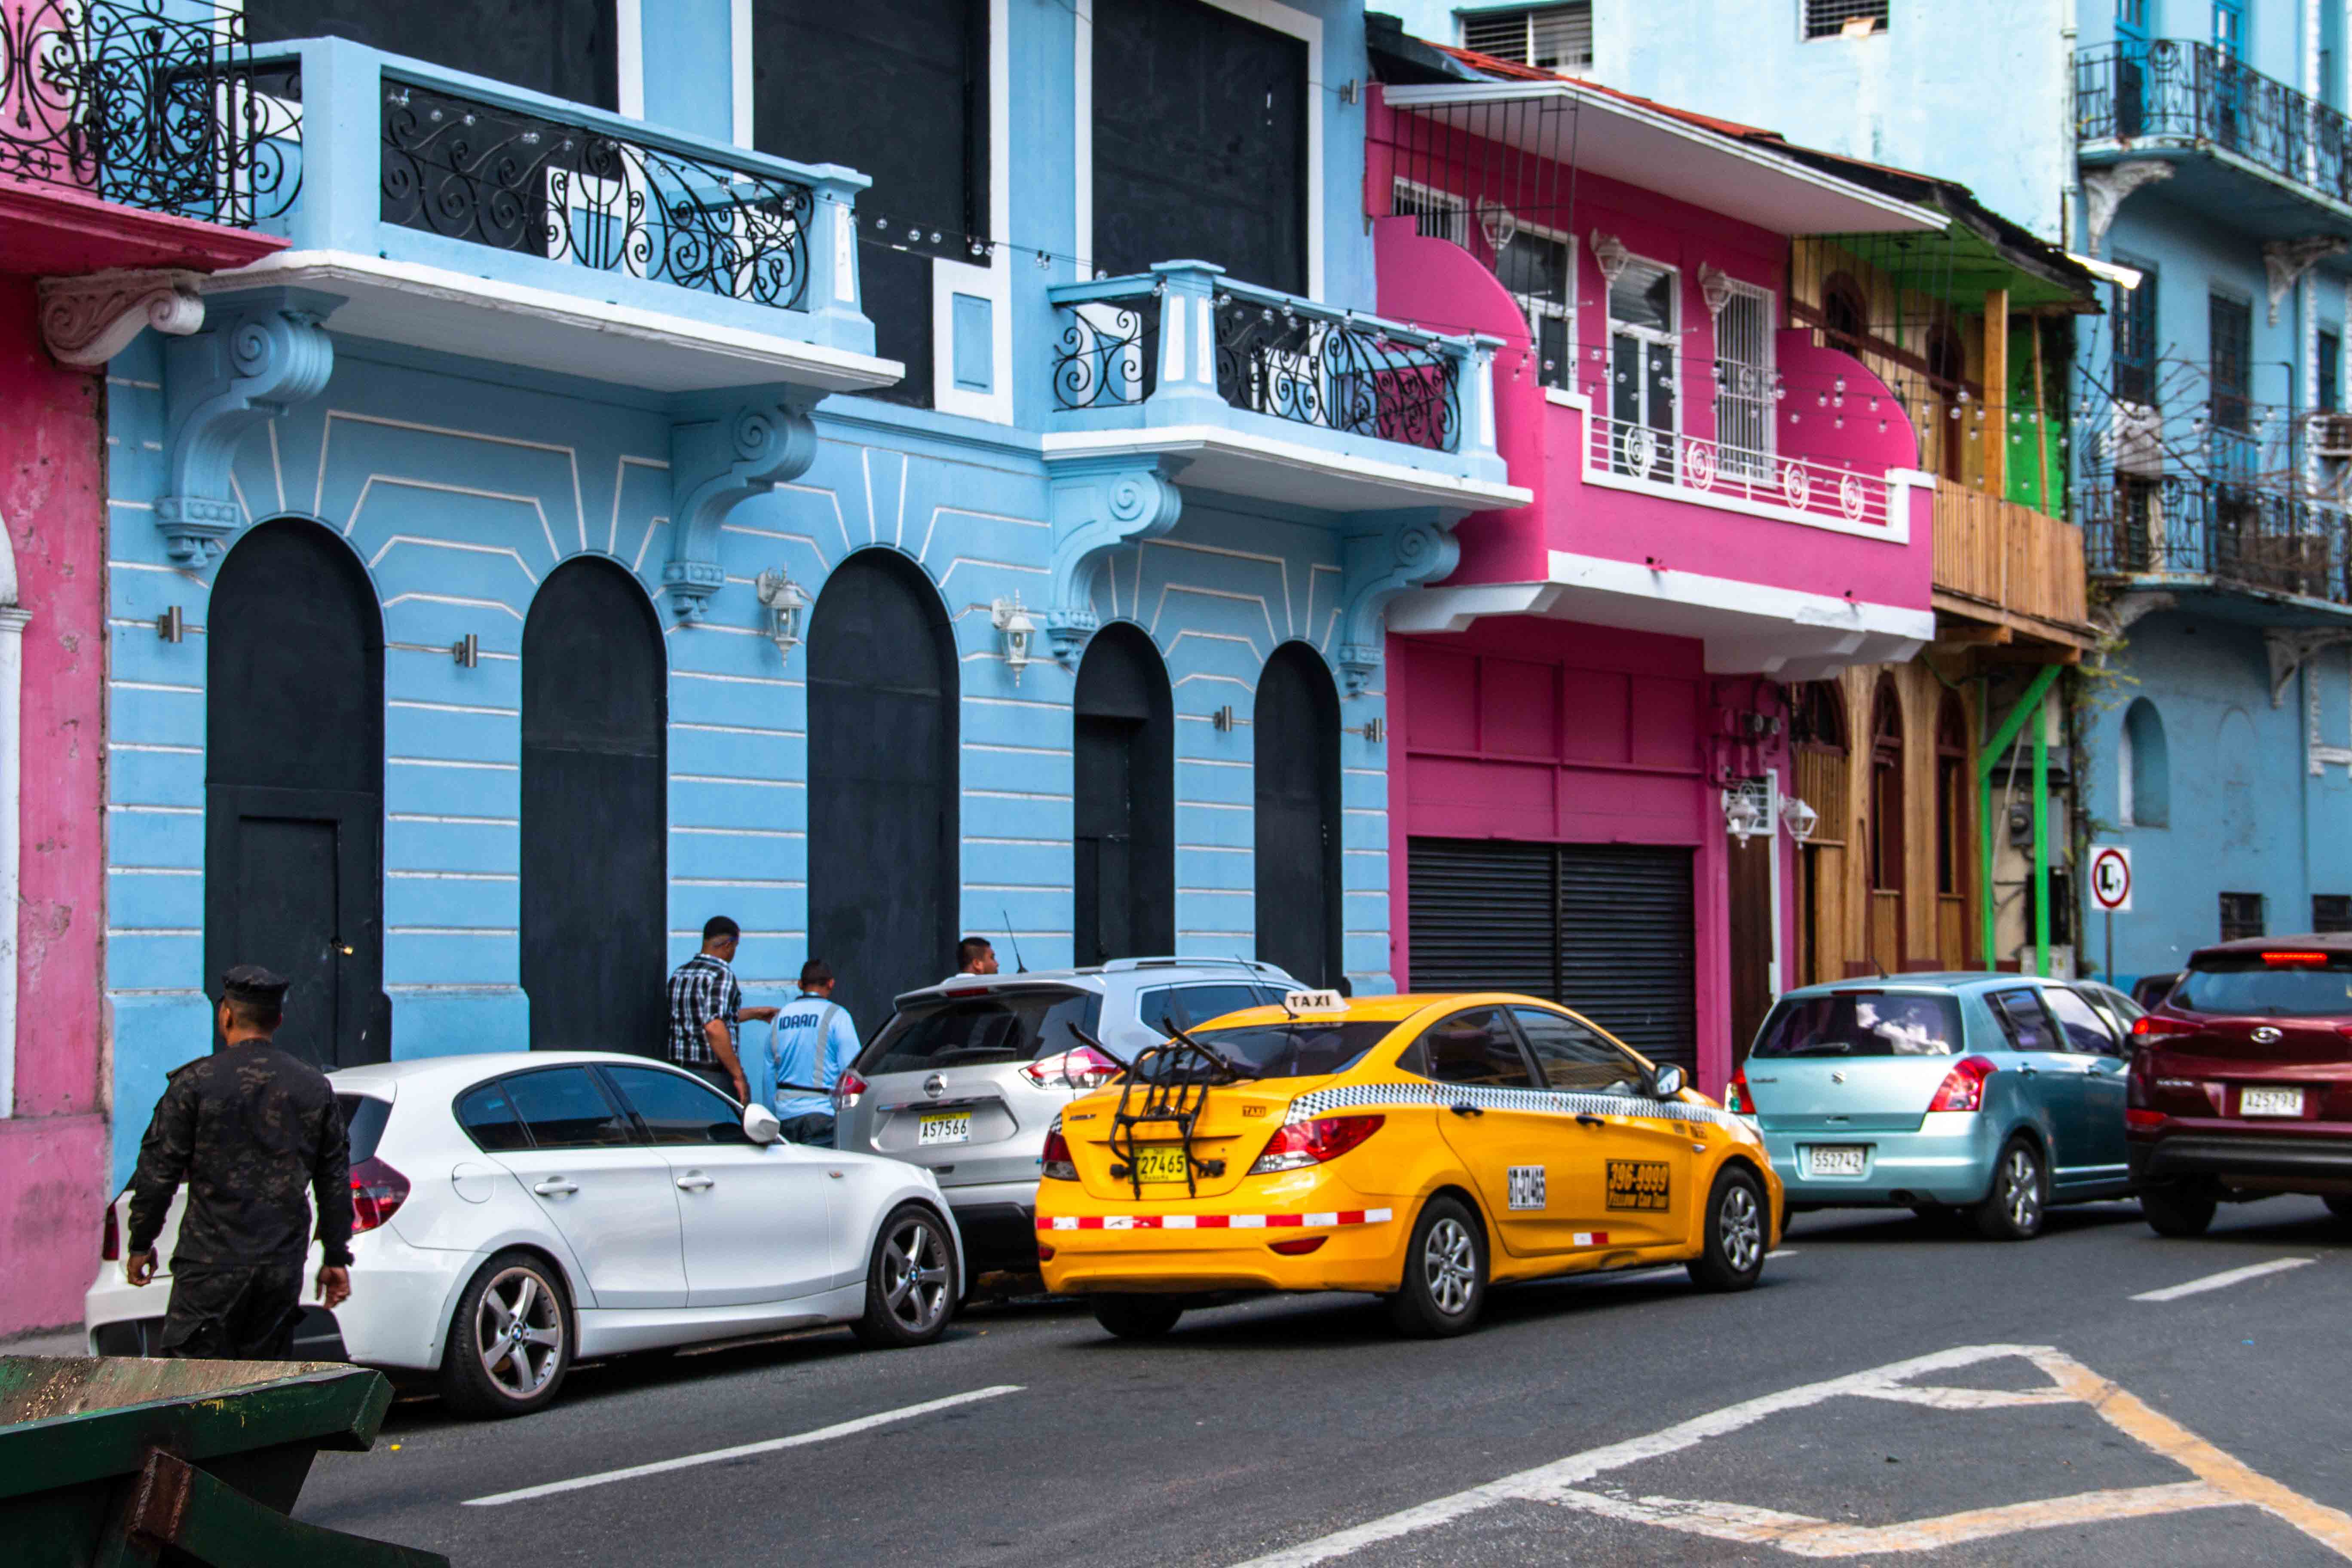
pixel 1018 631
pixel 1799 818
pixel 1743 810
pixel 787 603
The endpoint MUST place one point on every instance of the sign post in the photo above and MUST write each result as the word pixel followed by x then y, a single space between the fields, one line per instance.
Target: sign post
pixel 2111 890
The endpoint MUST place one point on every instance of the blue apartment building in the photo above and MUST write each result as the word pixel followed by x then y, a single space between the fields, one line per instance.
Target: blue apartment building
pixel 872 472
pixel 2200 150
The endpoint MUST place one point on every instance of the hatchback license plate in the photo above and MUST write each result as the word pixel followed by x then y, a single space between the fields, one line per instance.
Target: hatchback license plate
pixel 1159 1164
pixel 1835 1160
pixel 2270 1102
pixel 950 1129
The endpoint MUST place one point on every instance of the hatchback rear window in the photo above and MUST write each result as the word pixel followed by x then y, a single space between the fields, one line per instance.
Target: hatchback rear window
pixel 2287 983
pixel 1862 1024
pixel 363 1119
pixel 995 1026
pixel 1301 1050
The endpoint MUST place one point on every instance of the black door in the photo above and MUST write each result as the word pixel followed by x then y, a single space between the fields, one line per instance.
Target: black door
pixel 294 786
pixel 1295 722
pixel 1124 835
pixel 595 818
pixel 1606 929
pixel 882 822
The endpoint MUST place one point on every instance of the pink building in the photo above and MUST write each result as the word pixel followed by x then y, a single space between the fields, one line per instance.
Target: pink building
pixel 1588 738
pixel 106 221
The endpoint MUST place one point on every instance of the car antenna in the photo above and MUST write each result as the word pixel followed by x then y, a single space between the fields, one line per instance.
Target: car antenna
pixel 1018 967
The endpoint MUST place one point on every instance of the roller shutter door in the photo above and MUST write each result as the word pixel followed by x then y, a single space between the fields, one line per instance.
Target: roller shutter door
pixel 1605 929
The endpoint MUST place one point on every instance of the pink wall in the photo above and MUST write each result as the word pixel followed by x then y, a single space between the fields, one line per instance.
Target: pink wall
pixel 52 1151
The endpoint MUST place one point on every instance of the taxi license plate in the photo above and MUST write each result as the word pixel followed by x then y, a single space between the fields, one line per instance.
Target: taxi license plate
pixel 2270 1102
pixel 948 1129
pixel 1159 1164
pixel 1835 1160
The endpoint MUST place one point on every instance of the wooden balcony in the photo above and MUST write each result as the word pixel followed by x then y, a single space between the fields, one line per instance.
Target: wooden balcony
pixel 2007 574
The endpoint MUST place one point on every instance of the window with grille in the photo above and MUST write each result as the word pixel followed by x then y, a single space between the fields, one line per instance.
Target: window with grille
pixel 1442 214
pixel 2330 390
pixel 2229 357
pixel 2242 915
pixel 1743 383
pixel 1549 37
pixel 2331 913
pixel 1844 18
pixel 2134 316
pixel 1538 269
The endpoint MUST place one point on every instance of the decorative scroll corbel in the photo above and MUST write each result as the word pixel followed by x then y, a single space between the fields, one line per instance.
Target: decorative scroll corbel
pixel 86 320
pixel 2290 650
pixel 2104 191
pixel 721 453
pixel 1098 505
pixel 263 352
pixel 1610 254
pixel 1397 551
pixel 2286 260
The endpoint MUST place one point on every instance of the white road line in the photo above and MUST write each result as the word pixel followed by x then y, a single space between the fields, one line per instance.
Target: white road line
pixel 1783 1252
pixel 716 1456
pixel 2224 1279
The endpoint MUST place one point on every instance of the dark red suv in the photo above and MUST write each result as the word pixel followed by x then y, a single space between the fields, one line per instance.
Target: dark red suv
pixel 2242 1082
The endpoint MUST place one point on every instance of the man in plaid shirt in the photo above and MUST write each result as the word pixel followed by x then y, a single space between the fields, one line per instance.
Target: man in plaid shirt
pixel 705 1006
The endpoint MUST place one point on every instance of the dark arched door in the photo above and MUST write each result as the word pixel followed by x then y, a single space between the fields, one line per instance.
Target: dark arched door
pixel 595 817
pixel 1295 723
pixel 294 786
pixel 1889 869
pixel 882 822
pixel 1124 822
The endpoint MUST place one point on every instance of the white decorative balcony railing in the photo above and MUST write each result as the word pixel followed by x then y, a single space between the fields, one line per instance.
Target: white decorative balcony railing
pixel 1715 473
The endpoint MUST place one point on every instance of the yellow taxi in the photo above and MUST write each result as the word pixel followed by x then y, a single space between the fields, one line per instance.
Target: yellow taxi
pixel 1420 1148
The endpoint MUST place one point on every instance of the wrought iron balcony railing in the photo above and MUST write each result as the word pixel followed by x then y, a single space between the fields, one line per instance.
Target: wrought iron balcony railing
pixel 143 103
pixel 2184 525
pixel 1269 354
pixel 2185 94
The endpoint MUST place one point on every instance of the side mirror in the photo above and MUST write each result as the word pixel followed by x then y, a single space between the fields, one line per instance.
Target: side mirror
pixel 1668 1083
pixel 760 1126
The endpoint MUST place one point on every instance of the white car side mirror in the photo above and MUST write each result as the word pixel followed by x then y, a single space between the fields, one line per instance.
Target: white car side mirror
pixel 760 1126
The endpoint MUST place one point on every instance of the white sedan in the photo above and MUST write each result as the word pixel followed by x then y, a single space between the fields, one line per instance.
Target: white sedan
pixel 512 1213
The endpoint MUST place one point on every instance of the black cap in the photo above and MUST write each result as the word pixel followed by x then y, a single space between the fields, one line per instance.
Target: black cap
pixel 251 983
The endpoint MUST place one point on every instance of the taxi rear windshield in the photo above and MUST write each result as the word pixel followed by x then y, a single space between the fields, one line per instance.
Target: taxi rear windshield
pixel 1862 1024
pixel 1295 1049
pixel 2283 984
pixel 983 1030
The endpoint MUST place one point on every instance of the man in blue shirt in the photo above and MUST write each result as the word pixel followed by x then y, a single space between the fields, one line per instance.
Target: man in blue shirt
pixel 813 1044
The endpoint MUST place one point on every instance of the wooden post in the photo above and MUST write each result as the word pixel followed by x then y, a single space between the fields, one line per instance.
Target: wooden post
pixel 1993 434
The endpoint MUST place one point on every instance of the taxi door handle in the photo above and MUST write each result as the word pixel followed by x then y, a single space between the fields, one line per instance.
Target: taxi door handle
pixel 694 1181
pixel 1585 1119
pixel 1464 1108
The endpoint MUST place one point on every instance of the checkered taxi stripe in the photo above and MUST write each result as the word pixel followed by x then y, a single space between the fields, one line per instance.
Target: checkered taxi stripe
pixel 1215 1221
pixel 1542 1102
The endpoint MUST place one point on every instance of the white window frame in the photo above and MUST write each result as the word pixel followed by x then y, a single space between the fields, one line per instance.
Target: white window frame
pixel 1532 307
pixel 1422 202
pixel 1669 339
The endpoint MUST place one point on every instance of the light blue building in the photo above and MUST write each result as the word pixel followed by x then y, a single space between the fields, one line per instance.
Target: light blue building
pixel 770 459
pixel 2200 146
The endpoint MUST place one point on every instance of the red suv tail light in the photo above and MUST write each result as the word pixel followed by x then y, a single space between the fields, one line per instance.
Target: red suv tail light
pixel 846 1091
pixel 377 1193
pixel 1080 1066
pixel 1735 1097
pixel 1963 1087
pixel 1304 1144
pixel 1055 1165
pixel 109 1237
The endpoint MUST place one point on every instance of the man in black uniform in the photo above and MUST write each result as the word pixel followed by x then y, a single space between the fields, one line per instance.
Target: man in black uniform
pixel 248 1128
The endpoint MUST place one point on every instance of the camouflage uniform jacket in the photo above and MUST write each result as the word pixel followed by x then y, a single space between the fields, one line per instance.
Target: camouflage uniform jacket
pixel 249 1129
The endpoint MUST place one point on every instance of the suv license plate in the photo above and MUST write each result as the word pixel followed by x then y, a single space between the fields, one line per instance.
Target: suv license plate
pixel 2270 1102
pixel 955 1129
pixel 1835 1160
pixel 1159 1164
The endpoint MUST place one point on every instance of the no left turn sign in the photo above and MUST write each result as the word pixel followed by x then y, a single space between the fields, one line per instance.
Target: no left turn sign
pixel 2111 878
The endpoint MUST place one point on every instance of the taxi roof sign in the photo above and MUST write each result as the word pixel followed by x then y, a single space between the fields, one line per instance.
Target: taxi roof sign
pixel 1314 1002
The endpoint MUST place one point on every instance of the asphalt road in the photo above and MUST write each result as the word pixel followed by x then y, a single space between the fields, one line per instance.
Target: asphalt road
pixel 2132 1429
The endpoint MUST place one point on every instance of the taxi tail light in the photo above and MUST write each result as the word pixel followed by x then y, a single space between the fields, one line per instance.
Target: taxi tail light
pixel 1055 1165
pixel 2148 1023
pixel 377 1193
pixel 1963 1087
pixel 1303 1143
pixel 1080 1066
pixel 1299 1248
pixel 846 1089
pixel 109 1237
pixel 1735 1097
pixel 1045 1252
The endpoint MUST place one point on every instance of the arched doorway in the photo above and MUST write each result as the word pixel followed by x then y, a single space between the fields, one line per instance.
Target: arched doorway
pixel 1819 754
pixel 1885 861
pixel 1295 723
pixel 595 811
pixel 1953 856
pixel 1124 822
pixel 882 819
pixel 294 785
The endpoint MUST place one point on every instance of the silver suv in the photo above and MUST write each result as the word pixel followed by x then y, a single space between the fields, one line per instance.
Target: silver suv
pixel 968 1075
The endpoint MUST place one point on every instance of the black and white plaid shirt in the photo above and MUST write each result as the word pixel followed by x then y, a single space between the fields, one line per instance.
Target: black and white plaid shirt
pixel 700 989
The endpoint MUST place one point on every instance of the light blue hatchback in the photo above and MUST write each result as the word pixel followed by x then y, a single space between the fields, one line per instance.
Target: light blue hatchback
pixel 1992 1096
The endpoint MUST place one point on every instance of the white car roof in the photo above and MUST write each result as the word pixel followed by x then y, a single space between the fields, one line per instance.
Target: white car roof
pixel 450 1072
